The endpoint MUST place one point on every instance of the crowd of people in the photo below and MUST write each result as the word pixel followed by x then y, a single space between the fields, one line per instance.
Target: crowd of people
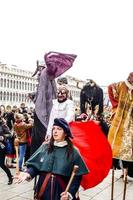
pixel 15 122
pixel 19 122
pixel 44 136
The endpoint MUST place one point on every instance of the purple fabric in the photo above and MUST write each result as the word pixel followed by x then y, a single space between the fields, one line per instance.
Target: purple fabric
pixel 45 94
pixel 58 63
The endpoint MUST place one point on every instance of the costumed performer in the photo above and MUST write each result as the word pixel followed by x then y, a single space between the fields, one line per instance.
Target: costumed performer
pixel 63 107
pixel 55 65
pixel 121 131
pixel 57 158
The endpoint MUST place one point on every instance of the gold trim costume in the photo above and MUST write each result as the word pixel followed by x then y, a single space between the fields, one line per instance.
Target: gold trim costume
pixel 121 131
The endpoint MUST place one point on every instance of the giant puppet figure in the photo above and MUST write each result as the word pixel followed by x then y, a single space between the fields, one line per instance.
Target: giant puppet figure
pixel 55 65
pixel 121 131
pixel 91 99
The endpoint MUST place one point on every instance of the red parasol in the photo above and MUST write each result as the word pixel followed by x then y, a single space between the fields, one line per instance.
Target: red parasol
pixel 95 149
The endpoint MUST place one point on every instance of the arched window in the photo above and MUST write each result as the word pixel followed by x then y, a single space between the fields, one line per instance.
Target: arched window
pixel 1 96
pixel 16 84
pixel 14 97
pixel 30 86
pixel 22 97
pixel 20 85
pixel 11 96
pixel 11 84
pixel 4 97
pixel 25 97
pixel 1 82
pixel 7 83
pixel 25 86
pixel 19 97
pixel 7 96
pixel 4 82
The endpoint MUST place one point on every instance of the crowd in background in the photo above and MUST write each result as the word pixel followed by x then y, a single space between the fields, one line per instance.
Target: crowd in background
pixel 19 121
pixel 11 115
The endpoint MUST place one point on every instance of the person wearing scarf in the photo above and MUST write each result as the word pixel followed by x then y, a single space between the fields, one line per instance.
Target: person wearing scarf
pixel 121 131
pixel 57 157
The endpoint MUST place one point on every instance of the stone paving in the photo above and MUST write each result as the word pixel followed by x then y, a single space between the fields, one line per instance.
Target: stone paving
pixel 102 191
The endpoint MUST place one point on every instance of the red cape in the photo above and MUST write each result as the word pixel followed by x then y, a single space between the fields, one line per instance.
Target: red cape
pixel 95 150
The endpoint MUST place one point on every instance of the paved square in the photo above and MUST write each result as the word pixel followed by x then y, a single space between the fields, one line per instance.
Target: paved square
pixel 102 191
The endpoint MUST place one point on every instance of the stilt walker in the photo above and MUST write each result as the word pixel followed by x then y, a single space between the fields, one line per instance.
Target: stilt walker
pixel 54 65
pixel 121 130
pixel 112 185
pixel 125 183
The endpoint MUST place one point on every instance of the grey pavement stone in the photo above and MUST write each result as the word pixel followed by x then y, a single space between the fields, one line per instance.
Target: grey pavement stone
pixel 102 191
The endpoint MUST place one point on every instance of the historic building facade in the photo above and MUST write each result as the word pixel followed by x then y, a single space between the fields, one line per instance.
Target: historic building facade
pixel 16 83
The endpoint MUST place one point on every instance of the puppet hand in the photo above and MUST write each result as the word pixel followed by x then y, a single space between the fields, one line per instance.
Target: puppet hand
pixel 47 138
pixel 66 196
pixel 1 138
pixel 22 177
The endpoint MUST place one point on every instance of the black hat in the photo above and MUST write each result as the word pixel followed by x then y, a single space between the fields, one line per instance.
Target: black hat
pixel 61 122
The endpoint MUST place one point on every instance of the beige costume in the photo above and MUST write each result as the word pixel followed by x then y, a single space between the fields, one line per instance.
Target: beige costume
pixel 121 131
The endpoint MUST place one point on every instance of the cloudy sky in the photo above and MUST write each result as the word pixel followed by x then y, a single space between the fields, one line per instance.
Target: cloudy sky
pixel 100 32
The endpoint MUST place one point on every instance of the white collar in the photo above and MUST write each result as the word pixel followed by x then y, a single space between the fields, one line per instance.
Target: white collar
pixel 130 88
pixel 60 144
pixel 129 85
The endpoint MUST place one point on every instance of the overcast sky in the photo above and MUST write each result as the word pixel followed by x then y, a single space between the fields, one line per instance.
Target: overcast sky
pixel 100 32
